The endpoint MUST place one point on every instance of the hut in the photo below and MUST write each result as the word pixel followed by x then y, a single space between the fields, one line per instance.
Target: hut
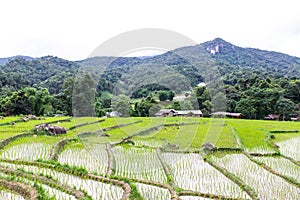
pixel 272 117
pixel 227 114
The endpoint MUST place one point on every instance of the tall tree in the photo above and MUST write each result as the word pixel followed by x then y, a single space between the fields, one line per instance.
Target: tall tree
pixel 83 97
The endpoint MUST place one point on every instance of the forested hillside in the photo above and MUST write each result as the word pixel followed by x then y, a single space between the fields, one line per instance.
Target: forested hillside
pixel 256 82
pixel 5 60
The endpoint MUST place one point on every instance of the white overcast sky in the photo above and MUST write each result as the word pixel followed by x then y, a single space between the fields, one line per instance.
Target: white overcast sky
pixel 73 29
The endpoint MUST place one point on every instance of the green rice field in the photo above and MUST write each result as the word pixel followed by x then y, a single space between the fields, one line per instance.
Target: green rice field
pixel 150 158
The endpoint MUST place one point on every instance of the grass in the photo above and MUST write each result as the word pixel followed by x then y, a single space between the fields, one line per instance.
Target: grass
pixel 216 131
pixel 8 119
pixel 253 132
pixel 126 131
pixel 193 136
pixel 226 139
pixel 283 137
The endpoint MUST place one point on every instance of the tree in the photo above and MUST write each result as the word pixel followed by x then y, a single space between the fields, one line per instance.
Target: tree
pixel 16 104
pixel 83 98
pixel 199 90
pixel 105 99
pixel 184 105
pixel 293 91
pixel 207 108
pixel 121 104
pixel 146 107
pixel 27 101
pixel 62 102
pixel 176 105
pixel 163 95
pixel 284 106
pixel 171 95
pixel 100 112
pixel 143 108
pixel 154 109
pixel 246 106
pixel 218 102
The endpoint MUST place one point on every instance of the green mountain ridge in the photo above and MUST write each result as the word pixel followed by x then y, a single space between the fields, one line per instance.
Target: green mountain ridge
pixel 256 82
pixel 50 71
pixel 5 60
pixel 256 58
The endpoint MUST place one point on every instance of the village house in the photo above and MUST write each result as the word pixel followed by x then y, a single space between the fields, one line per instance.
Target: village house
pixel 272 117
pixel 189 113
pixel 294 117
pixel 181 113
pixel 166 113
pixel 113 114
pixel 226 114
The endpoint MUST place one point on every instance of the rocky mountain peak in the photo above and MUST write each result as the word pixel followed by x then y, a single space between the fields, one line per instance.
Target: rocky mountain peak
pixel 217 46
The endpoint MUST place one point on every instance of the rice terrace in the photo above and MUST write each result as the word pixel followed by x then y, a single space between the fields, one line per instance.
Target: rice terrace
pixel 157 100
pixel 153 128
pixel 149 158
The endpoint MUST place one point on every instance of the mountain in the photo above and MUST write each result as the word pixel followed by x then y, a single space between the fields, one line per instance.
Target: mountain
pixel 251 81
pixel 47 71
pixel 5 60
pixel 223 53
pixel 233 63
pixel 181 68
pixel 279 63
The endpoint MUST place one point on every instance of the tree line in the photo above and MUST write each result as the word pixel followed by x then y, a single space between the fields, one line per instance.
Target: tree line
pixel 253 97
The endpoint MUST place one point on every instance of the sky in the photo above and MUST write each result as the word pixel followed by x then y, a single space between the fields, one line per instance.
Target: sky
pixel 73 29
